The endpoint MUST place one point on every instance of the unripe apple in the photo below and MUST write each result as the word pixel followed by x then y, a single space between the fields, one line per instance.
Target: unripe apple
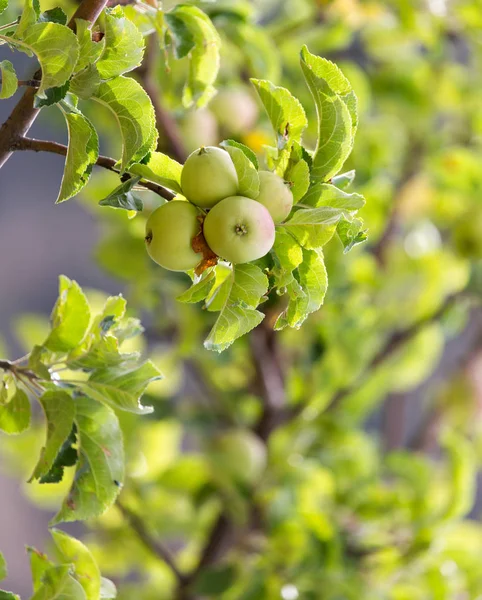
pixel 275 194
pixel 235 109
pixel 239 229
pixel 208 176
pixel 238 454
pixel 169 233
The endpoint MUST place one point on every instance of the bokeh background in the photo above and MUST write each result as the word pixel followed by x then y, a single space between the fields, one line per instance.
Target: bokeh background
pixel 379 480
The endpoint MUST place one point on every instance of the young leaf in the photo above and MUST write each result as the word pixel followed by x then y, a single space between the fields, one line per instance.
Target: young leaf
pixel 325 194
pixel 15 415
pixel 122 388
pixel 3 6
pixel 82 154
pixel 200 289
pixel 344 180
pixel 313 227
pixel 70 317
pixel 86 571
pixel 100 469
pixel 307 293
pixel 59 409
pixel 161 169
pixel 287 255
pixel 335 120
pixel 298 175
pixel 247 151
pixel 241 292
pixel 123 196
pixel 351 233
pixel 123 48
pixel 3 567
pixel 134 113
pixel 58 584
pixel 39 565
pixel 108 591
pixel 56 48
pixel 204 55
pixel 9 81
pixel 248 178
pixel 30 15
pixel 52 96
pixel 285 112
pixel 89 51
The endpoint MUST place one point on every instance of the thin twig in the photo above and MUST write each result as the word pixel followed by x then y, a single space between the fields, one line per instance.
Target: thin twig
pixel 149 541
pixel 35 83
pixel 103 161
pixel 164 121
pixel 24 114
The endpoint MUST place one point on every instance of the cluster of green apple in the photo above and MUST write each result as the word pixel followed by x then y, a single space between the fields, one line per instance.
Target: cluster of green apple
pixel 236 228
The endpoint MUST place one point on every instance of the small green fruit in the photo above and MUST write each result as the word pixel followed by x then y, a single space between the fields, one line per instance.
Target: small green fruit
pixel 169 233
pixel 239 455
pixel 275 194
pixel 235 109
pixel 208 176
pixel 239 229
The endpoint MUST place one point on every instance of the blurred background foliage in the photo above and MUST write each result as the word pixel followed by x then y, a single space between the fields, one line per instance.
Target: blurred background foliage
pixel 371 483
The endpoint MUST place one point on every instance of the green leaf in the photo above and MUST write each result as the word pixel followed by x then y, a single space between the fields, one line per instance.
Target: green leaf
pixel 52 96
pixel 3 567
pixel 241 292
pixel 54 15
pixel 89 51
pixel 39 564
pixel 213 581
pixel 122 388
pixel 74 552
pixel 67 457
pixel 58 584
pixel 70 317
pixel 104 352
pixel 204 55
pixel 247 151
pixel 200 289
pixel 161 169
pixel 287 255
pixel 82 153
pixel 285 112
pixel 56 48
pixel 100 469
pixel 59 409
pixel 3 6
pixel 298 176
pixel 8 595
pixel 30 15
pixel 325 194
pixel 351 233
pixel 123 196
pixel 248 178
pixel 344 180
pixel 15 415
pixel 134 113
pixel 85 83
pixel 123 48
pixel 9 79
pixel 307 292
pixel 336 126
pixel 108 591
pixel 313 227
pixel 463 475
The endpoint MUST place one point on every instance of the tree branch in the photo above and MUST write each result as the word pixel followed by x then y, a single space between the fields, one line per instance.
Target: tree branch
pixel 103 161
pixel 24 114
pixel 149 541
pixel 164 122
pixel 35 83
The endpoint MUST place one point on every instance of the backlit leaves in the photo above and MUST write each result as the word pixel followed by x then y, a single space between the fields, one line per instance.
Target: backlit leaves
pixel 8 77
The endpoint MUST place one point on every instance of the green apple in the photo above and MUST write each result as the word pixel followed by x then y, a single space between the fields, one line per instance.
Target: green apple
pixel 275 194
pixel 239 455
pixel 235 109
pixel 208 176
pixel 169 233
pixel 239 229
